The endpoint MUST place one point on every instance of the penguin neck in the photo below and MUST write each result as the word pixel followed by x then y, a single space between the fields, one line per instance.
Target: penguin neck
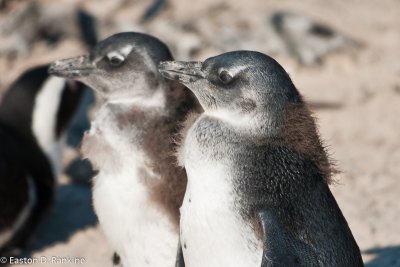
pixel 165 99
pixel 257 126
pixel 155 101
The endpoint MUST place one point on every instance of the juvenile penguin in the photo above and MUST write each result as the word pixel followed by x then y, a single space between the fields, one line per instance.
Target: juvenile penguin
pixel 139 189
pixel 34 114
pixel 257 192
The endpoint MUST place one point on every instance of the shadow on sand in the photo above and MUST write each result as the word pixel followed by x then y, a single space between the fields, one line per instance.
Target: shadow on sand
pixel 71 212
pixel 384 257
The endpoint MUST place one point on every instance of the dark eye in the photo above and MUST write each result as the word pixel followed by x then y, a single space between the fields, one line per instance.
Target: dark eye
pixel 225 77
pixel 116 61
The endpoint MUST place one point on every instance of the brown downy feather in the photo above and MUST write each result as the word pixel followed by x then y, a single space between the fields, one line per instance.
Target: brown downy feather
pixel 180 136
pixel 301 134
pixel 168 193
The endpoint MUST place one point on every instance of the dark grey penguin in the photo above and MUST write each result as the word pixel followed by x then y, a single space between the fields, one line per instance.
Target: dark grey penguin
pixel 34 114
pixel 258 175
pixel 139 189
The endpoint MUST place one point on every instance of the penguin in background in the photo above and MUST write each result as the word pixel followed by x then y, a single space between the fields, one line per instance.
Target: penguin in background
pixel 258 174
pixel 138 189
pixel 34 115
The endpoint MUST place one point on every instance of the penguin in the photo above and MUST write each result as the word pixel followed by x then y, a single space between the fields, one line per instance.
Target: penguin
pixel 258 173
pixel 139 187
pixel 34 115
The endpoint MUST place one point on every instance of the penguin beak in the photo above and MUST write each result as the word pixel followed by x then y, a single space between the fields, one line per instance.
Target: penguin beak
pixel 72 68
pixel 184 72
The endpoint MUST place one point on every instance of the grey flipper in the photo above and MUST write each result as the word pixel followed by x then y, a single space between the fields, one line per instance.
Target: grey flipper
pixel 180 262
pixel 280 248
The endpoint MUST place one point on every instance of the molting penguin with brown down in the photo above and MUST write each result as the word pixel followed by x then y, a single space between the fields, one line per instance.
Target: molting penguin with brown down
pixel 139 189
pixel 258 175
pixel 34 114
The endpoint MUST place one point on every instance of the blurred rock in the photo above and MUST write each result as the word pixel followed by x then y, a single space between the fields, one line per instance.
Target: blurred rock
pixel 107 7
pixel 80 171
pixel 20 29
pixel 215 30
pixel 66 21
pixel 153 10
pixel 307 40
pixel 189 42
pixel 208 33
pixel 31 22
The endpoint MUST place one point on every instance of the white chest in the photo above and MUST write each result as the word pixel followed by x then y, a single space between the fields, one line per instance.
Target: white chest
pixel 212 231
pixel 105 126
pixel 135 226
pixel 138 230
pixel 106 146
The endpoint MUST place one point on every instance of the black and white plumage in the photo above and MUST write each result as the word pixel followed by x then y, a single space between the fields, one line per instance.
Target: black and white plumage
pixel 34 114
pixel 139 189
pixel 258 174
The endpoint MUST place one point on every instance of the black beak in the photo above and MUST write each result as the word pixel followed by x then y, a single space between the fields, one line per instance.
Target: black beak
pixel 72 68
pixel 184 72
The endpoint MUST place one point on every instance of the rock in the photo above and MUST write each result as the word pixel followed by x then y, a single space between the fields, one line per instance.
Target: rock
pixel 307 40
pixel 33 22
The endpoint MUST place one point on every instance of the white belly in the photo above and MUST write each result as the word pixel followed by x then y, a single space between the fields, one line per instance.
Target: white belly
pixel 134 226
pixel 212 230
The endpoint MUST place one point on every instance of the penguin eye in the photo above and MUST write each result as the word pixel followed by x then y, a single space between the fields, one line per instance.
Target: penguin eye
pixel 116 61
pixel 224 77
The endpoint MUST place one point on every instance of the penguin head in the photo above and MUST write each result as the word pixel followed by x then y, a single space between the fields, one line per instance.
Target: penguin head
pixel 118 68
pixel 238 83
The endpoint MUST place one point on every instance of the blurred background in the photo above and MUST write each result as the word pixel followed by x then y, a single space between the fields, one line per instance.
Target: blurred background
pixel 343 56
